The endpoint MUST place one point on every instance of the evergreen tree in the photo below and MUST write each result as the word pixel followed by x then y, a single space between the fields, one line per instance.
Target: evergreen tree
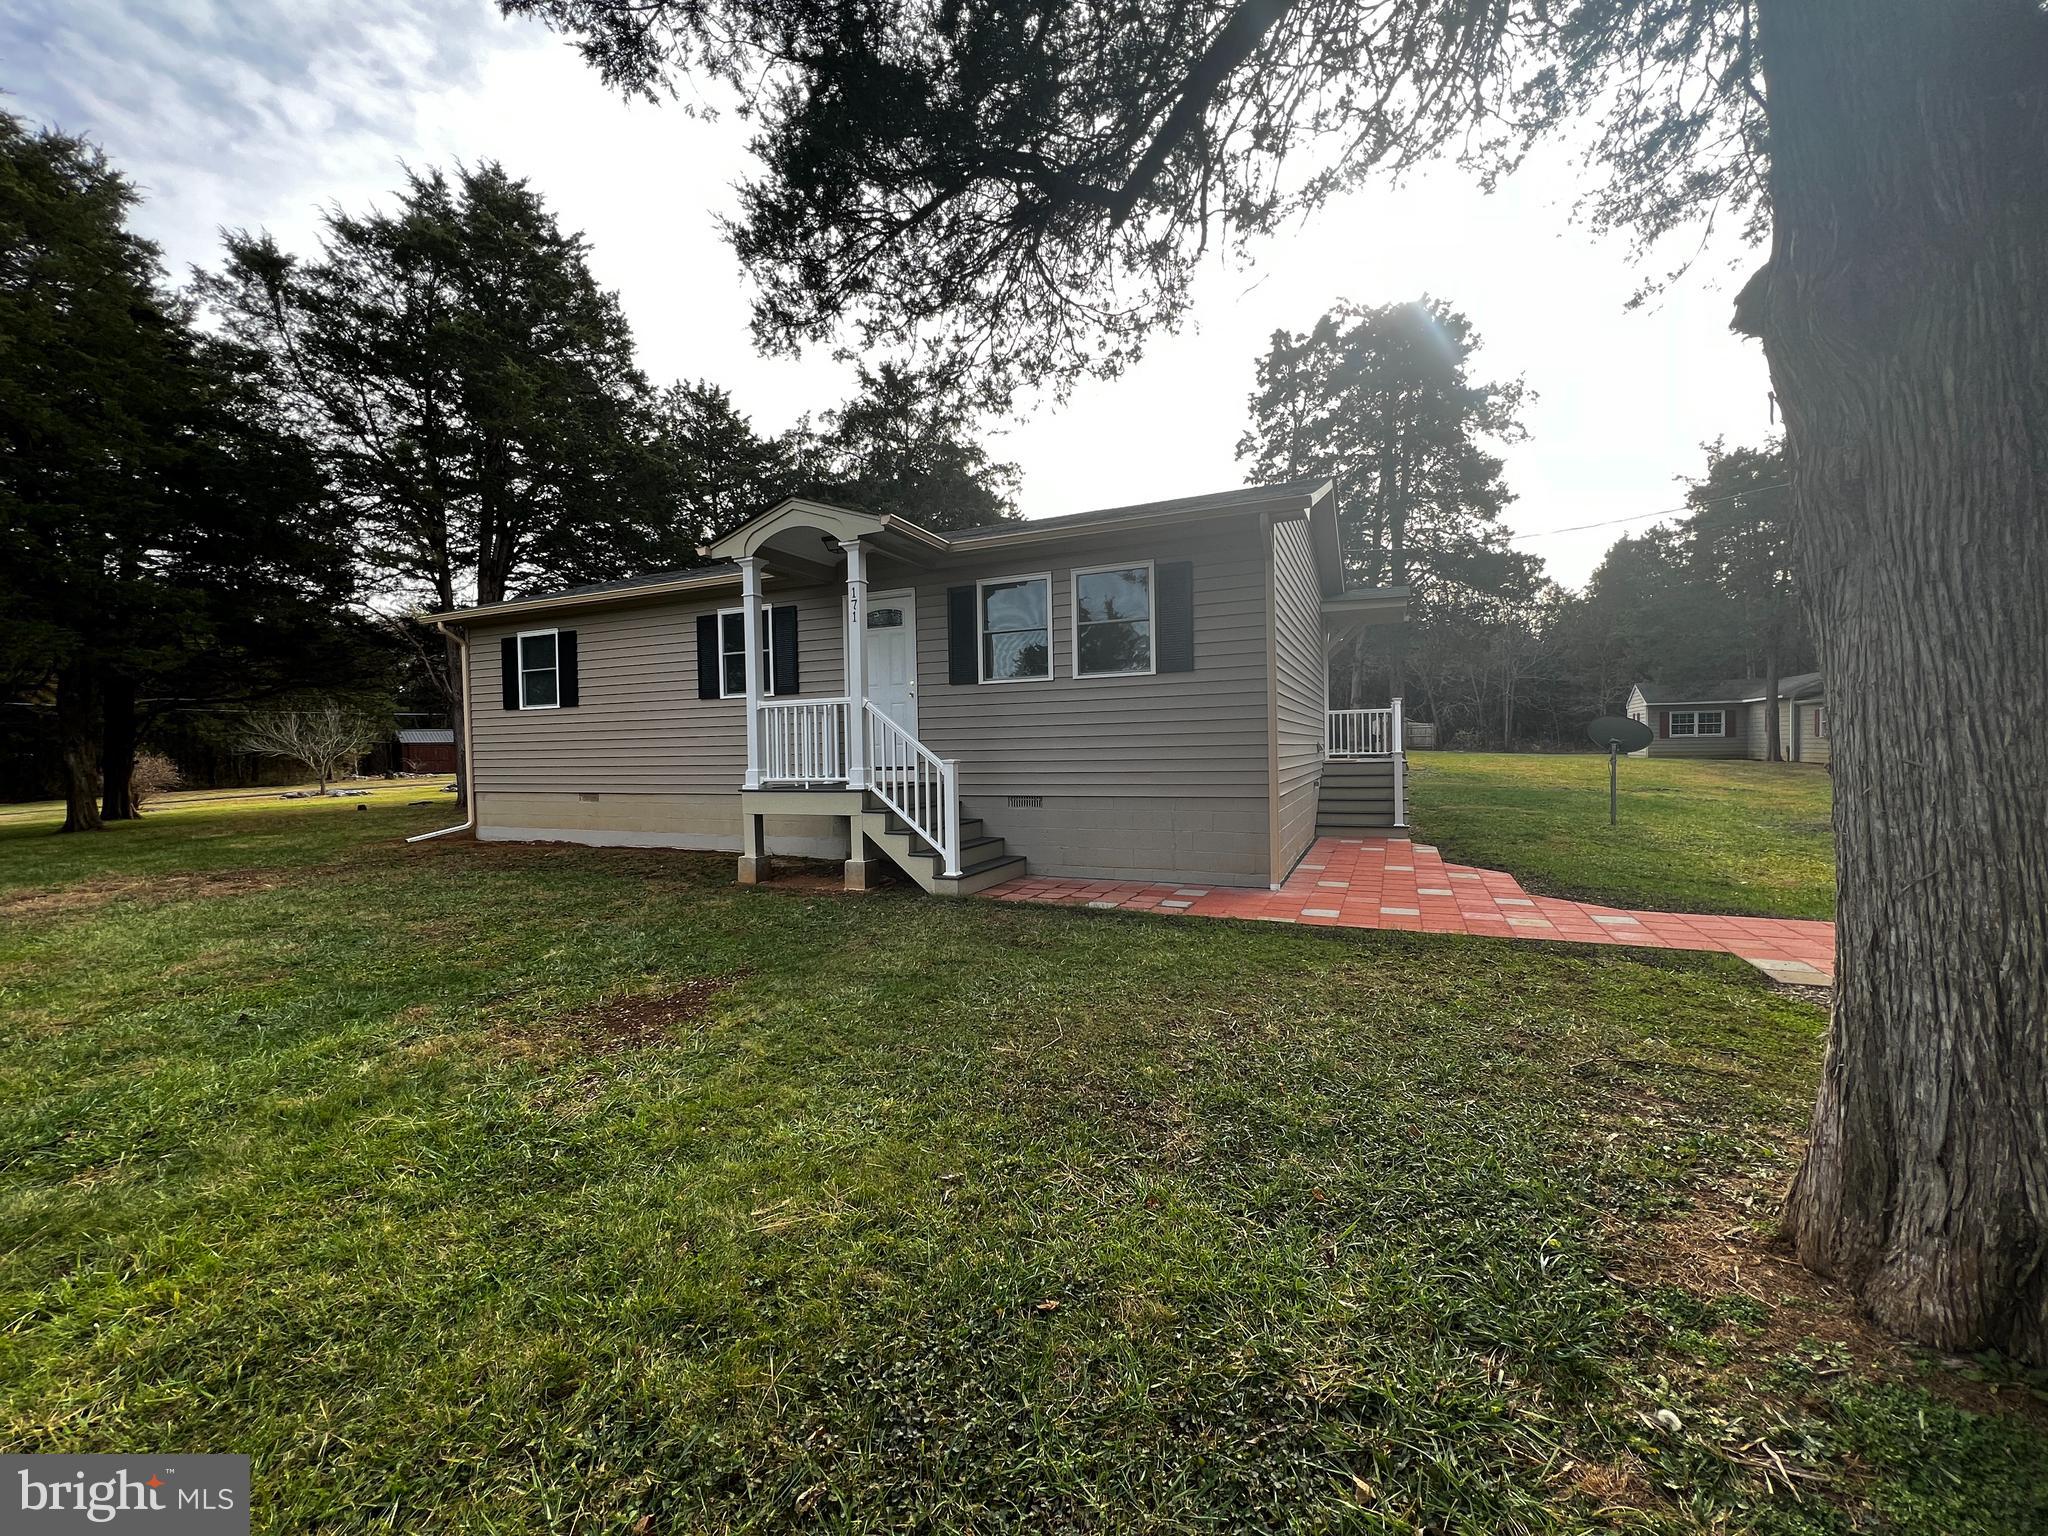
pixel 716 471
pixel 906 444
pixel 1740 533
pixel 1380 401
pixel 468 387
pixel 156 538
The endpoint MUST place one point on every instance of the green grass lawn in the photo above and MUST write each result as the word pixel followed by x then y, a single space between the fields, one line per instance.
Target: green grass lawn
pixel 1693 836
pixel 516 1189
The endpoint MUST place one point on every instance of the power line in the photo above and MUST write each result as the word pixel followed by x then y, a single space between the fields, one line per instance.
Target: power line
pixel 1690 506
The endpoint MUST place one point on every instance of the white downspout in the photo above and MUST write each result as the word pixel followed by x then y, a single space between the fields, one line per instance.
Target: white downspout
pixel 468 748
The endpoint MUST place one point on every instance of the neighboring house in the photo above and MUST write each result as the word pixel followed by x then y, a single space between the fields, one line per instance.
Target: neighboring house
pixel 1728 719
pixel 1139 693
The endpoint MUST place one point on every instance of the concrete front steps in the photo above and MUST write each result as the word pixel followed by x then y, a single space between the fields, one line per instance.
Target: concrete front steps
pixel 985 860
pixel 1357 795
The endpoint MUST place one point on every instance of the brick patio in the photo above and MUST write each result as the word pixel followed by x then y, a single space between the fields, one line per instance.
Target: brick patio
pixel 1392 882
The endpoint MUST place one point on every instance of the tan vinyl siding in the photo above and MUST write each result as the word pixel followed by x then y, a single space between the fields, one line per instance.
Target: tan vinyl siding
pixel 1812 747
pixel 1638 709
pixel 1153 776
pixel 640 728
pixel 1174 734
pixel 1700 746
pixel 1797 738
pixel 1300 694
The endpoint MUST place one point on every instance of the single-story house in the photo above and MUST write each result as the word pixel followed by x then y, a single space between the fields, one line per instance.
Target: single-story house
pixel 1728 719
pixel 1138 693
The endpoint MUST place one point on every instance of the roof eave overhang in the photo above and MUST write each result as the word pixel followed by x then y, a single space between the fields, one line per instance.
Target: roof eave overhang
pixel 1326 539
pixel 1280 508
pixel 1377 605
pixel 570 602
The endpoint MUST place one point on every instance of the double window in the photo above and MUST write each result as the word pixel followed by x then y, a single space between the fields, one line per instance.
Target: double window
pixel 1113 620
pixel 1016 628
pixel 540 670
pixel 1112 630
pixel 1697 722
pixel 732 652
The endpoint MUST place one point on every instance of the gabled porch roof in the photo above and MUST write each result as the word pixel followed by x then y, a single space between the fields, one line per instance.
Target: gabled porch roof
pixel 810 532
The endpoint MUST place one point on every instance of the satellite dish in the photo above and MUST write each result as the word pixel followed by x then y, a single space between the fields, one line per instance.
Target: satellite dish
pixel 1617 734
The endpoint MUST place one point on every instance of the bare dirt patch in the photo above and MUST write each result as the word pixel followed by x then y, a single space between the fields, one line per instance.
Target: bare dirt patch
pixel 671 864
pixel 1620 1487
pixel 89 894
pixel 633 1023
pixel 1729 1244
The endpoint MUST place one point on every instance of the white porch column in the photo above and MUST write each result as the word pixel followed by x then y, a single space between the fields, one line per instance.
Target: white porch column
pixel 750 586
pixel 856 664
pixel 1395 731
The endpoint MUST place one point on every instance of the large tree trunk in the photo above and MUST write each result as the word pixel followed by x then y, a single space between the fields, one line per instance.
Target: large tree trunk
pixel 117 750
pixel 78 744
pixel 1902 313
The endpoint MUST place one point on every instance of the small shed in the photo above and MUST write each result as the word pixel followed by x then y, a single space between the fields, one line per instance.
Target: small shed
pixel 426 749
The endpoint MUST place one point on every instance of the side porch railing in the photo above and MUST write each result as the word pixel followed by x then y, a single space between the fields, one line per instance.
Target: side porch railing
pixel 806 741
pixel 1367 733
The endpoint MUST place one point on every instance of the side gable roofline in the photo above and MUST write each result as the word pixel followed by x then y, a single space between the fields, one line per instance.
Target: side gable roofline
pixel 1314 500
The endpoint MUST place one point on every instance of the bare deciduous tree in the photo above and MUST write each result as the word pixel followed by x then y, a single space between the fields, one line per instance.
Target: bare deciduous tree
pixel 328 737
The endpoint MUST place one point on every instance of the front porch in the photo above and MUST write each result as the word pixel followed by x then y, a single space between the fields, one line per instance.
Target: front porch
pixel 854 756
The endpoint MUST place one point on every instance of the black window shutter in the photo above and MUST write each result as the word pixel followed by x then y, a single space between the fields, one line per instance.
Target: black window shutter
pixel 961 639
pixel 508 663
pixel 707 655
pixel 1173 607
pixel 782 647
pixel 565 658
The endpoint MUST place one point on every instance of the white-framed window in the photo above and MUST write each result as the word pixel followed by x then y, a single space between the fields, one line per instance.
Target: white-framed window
pixel 1113 634
pixel 1697 722
pixel 732 652
pixel 1820 723
pixel 540 669
pixel 1015 622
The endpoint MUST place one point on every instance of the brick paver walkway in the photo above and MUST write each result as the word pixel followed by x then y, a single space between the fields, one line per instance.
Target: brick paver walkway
pixel 1391 882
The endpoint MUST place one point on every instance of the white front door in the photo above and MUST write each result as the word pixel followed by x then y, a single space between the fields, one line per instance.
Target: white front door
pixel 891 649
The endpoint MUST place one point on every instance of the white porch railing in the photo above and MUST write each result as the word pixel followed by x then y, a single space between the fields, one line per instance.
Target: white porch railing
pixel 1372 733
pixel 803 741
pixel 915 783
pixel 1365 732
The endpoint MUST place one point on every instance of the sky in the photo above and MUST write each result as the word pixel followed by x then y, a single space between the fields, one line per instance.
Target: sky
pixel 262 113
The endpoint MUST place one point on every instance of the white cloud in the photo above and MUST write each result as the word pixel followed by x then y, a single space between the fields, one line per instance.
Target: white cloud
pixel 254 114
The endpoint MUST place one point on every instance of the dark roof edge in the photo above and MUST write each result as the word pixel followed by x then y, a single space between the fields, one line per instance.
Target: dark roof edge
pixel 988 536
